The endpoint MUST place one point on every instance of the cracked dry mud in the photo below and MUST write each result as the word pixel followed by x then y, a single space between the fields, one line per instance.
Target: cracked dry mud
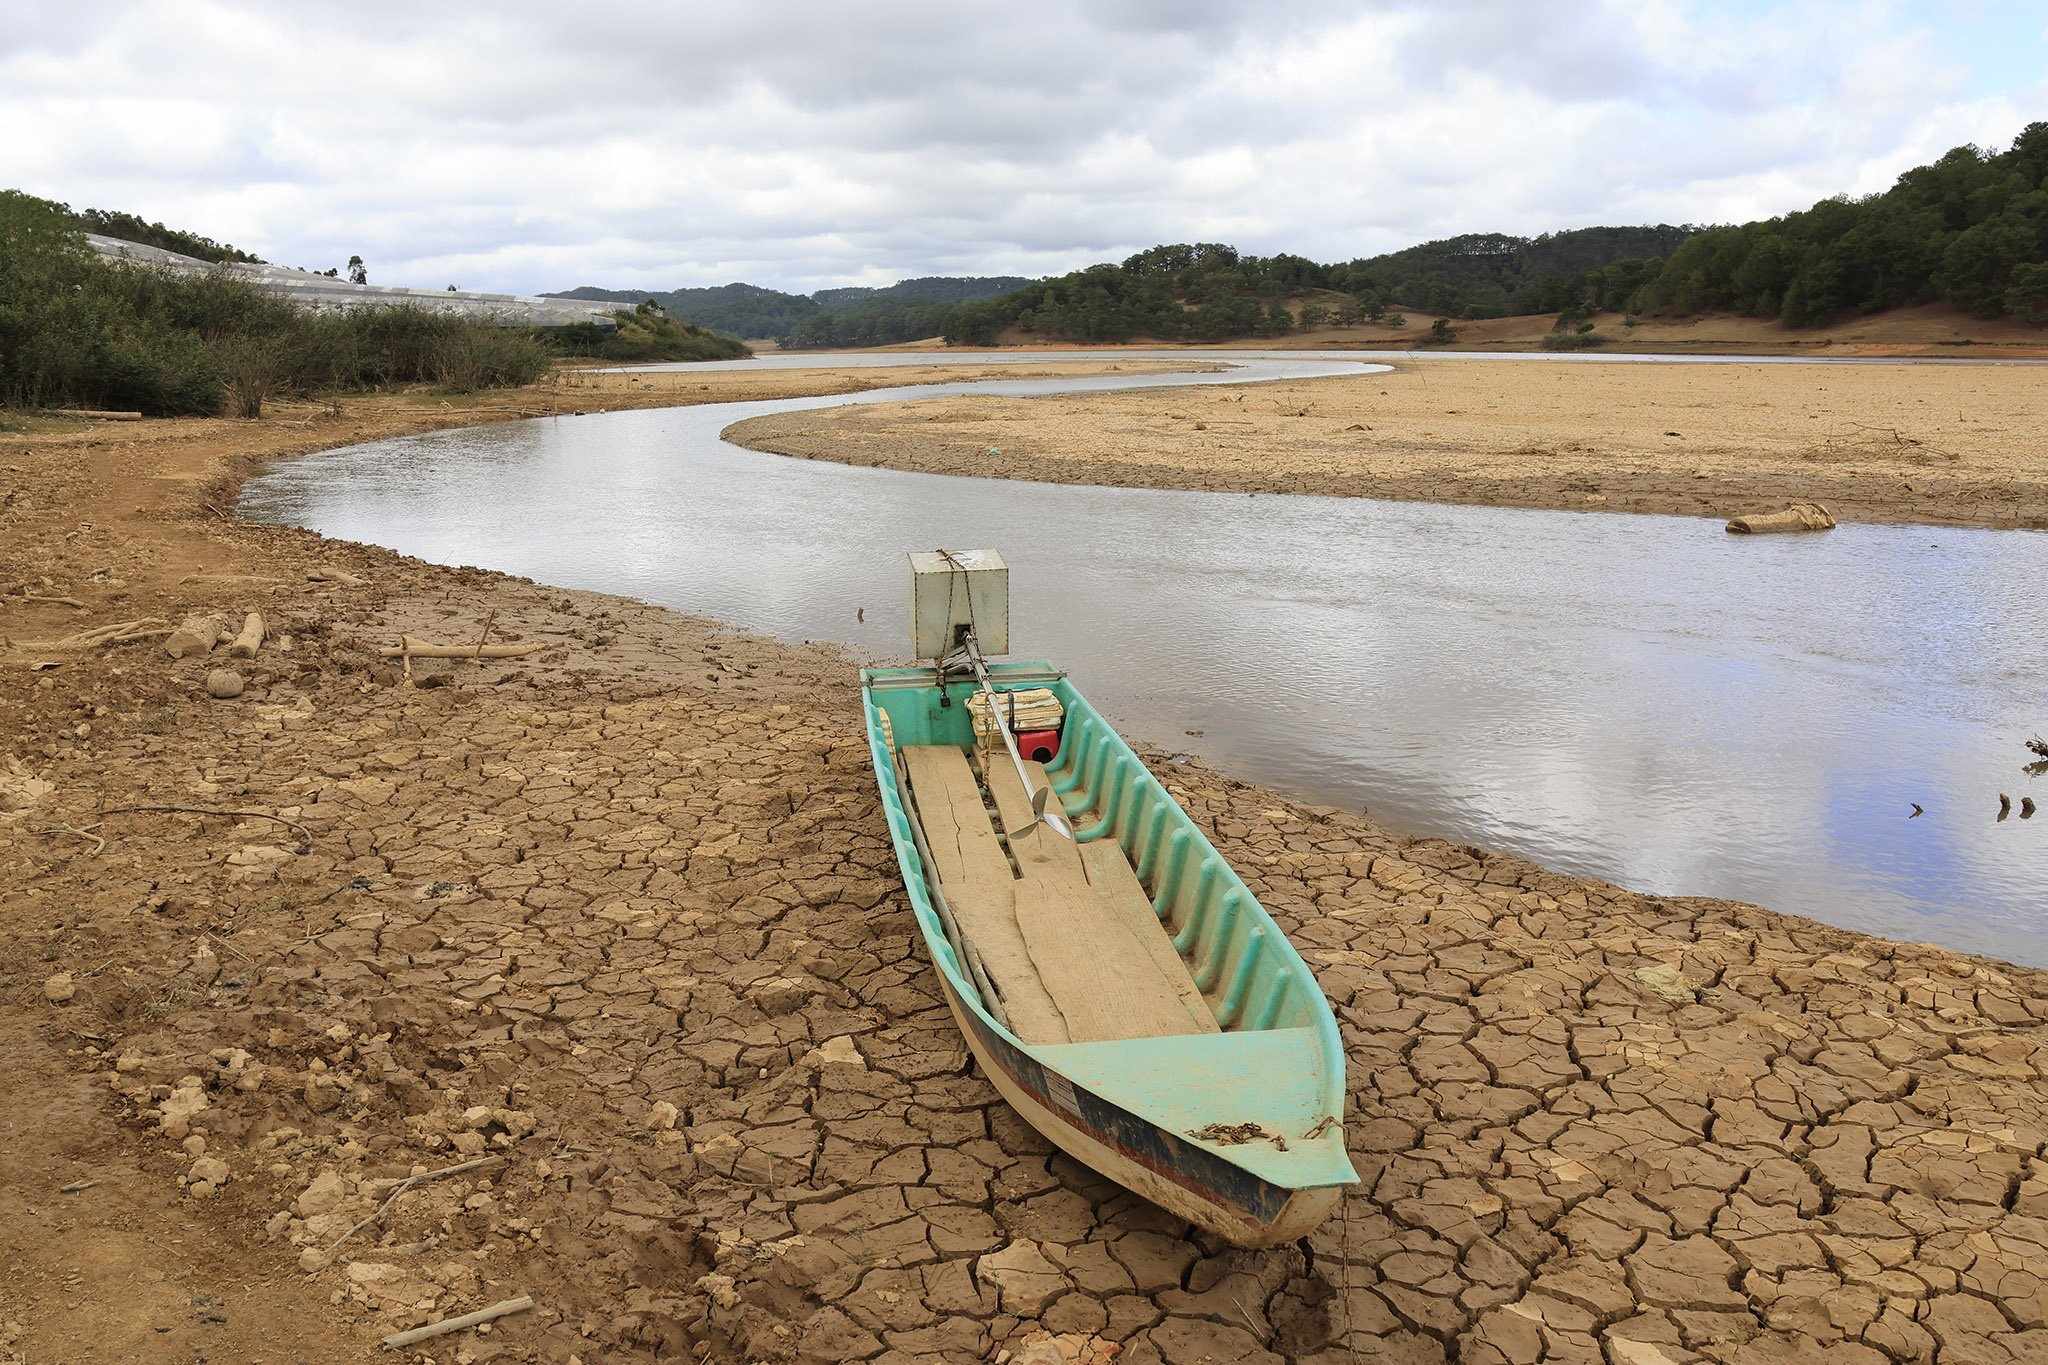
pixel 628 918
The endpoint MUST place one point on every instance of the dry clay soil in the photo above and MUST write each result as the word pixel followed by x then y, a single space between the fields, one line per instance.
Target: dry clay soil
pixel 1960 444
pixel 623 915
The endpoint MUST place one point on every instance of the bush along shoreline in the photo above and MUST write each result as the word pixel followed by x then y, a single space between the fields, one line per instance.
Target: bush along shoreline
pixel 77 330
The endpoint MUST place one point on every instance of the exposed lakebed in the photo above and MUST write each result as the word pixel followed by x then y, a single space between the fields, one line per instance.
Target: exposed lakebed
pixel 1637 697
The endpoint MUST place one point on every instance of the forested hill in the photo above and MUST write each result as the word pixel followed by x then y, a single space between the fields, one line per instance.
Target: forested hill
pixel 1207 291
pixel 1969 230
pixel 1489 274
pixel 742 310
pixel 748 310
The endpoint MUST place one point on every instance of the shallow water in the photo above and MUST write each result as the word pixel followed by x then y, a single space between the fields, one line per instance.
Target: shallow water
pixel 1642 698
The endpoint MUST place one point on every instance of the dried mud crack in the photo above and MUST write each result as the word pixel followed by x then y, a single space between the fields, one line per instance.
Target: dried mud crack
pixel 624 914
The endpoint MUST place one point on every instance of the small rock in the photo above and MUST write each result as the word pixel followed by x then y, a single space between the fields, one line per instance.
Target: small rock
pixel 195 635
pixel 662 1116
pixel 312 1258
pixel 209 1170
pixel 323 1195
pixel 839 1051
pixel 60 988
pixel 223 683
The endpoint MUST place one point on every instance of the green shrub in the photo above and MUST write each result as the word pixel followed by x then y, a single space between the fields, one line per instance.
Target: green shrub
pixel 472 358
pixel 1573 341
pixel 79 330
pixel 647 333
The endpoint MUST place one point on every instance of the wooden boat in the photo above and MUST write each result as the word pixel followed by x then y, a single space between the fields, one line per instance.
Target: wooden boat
pixel 1116 980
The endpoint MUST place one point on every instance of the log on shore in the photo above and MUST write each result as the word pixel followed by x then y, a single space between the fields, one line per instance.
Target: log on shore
pixel 423 649
pixel 1800 516
pixel 251 639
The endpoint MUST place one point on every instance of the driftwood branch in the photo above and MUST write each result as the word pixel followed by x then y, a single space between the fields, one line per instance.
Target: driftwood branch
pixel 118 633
pixel 406 1184
pixel 99 841
pixel 60 601
pixel 447 1325
pixel 330 574
pixel 424 649
pixel 97 414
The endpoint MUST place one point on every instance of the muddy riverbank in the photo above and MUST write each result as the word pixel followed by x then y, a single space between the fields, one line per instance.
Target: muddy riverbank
pixel 622 913
pixel 1940 444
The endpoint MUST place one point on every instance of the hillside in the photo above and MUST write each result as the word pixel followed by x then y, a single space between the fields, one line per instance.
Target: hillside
pixel 127 227
pixel 1208 291
pixel 749 310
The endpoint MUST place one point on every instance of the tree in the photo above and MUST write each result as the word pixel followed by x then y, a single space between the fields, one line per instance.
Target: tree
pixel 1975 268
pixel 357 272
pixel 2026 298
pixel 1279 322
pixel 1313 315
pixel 1442 333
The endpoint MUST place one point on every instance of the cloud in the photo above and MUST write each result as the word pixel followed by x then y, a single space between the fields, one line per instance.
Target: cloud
pixel 804 144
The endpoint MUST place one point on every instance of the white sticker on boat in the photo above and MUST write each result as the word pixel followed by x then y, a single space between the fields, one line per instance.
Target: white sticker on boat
pixel 1060 1091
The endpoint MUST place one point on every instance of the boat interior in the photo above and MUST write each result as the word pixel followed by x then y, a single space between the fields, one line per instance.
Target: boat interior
pixel 1132 928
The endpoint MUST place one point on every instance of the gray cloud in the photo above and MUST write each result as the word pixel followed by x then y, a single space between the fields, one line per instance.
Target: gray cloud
pixel 805 144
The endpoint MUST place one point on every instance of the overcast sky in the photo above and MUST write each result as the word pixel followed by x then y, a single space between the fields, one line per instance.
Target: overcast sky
pixel 524 146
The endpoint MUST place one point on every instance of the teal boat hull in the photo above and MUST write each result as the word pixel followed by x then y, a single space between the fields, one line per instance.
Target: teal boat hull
pixel 1240 1131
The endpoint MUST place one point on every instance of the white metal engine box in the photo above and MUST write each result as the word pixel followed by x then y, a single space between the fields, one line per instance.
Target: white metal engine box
pixel 951 588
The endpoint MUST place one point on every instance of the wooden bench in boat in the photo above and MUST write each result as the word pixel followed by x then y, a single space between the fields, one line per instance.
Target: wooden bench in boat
pixel 1065 930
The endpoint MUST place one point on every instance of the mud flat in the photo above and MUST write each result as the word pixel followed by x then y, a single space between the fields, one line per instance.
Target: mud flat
pixel 1942 444
pixel 623 913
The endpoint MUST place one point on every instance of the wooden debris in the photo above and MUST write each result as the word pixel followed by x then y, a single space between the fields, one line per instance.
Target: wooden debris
pixel 77 1186
pixel 1800 516
pixel 447 1325
pixel 407 647
pixel 422 1178
pixel 118 633
pixel 59 601
pixel 99 841
pixel 251 639
pixel 330 574
pixel 97 414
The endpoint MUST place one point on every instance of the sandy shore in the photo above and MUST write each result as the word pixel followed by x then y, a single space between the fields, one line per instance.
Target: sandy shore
pixel 1935 444
pixel 623 913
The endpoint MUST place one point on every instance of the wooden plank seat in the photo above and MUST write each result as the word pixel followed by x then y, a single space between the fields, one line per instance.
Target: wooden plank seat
pixel 1068 935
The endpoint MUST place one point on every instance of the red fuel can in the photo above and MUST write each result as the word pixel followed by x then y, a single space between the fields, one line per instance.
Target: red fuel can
pixel 1040 746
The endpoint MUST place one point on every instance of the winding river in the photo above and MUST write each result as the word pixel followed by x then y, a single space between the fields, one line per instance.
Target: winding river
pixel 1642 698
